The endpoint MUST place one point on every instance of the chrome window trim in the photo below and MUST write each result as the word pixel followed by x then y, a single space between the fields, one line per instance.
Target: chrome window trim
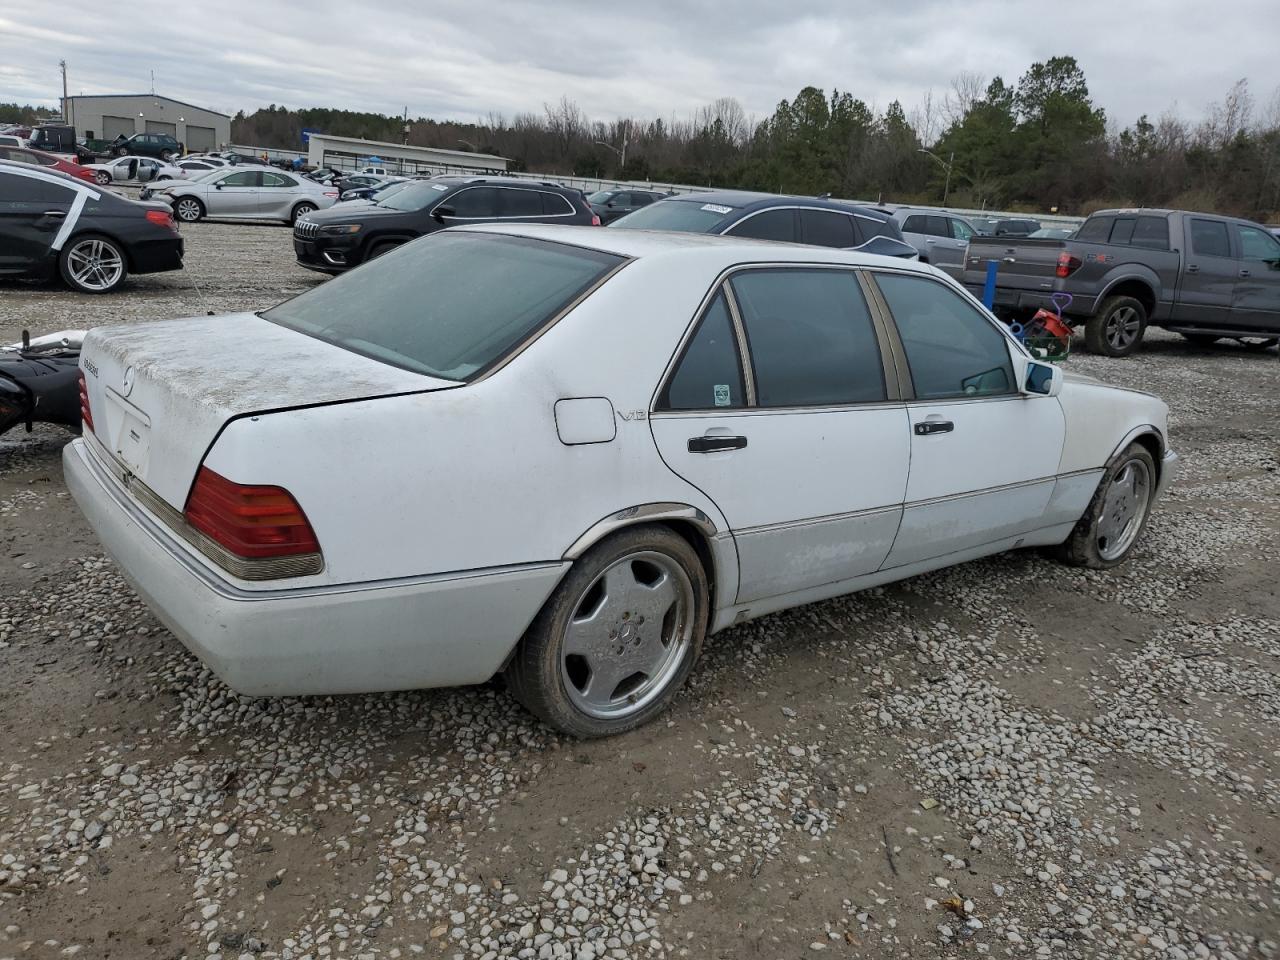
pixel 755 213
pixel 746 368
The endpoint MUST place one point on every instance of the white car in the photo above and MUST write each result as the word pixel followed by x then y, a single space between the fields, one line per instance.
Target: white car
pixel 195 165
pixel 135 170
pixel 246 193
pixel 10 140
pixel 569 454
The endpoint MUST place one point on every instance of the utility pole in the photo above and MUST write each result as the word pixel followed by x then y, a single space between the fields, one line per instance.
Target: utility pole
pixel 405 141
pixel 947 165
pixel 63 65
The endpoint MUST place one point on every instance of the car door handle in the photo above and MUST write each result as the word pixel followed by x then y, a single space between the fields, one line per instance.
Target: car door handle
pixel 930 241
pixel 54 213
pixel 715 444
pixel 1244 273
pixel 1192 268
pixel 926 427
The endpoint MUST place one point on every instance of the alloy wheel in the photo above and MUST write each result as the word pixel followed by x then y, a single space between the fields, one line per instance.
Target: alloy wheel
pixel 1124 506
pixel 188 210
pixel 629 634
pixel 1123 327
pixel 95 264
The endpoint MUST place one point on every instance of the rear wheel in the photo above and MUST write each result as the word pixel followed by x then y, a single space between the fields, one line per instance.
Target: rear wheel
pixel 92 264
pixel 1117 514
pixel 619 636
pixel 188 209
pixel 102 177
pixel 166 155
pixel 301 210
pixel 1117 327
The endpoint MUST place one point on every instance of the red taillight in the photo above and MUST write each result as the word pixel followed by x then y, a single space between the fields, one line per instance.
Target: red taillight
pixel 595 219
pixel 86 414
pixel 161 218
pixel 1067 264
pixel 251 521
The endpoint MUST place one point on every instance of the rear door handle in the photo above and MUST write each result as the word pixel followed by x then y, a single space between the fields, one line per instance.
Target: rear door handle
pixel 926 427
pixel 715 444
pixel 54 213
pixel 1244 273
pixel 1192 268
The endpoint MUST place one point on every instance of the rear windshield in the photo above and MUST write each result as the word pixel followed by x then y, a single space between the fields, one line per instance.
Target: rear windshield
pixel 686 216
pixel 449 304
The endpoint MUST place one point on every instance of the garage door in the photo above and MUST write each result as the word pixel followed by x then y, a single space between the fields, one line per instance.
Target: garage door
pixel 155 126
pixel 113 127
pixel 200 139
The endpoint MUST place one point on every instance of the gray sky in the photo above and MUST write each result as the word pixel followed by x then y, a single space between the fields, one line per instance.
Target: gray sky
pixel 662 58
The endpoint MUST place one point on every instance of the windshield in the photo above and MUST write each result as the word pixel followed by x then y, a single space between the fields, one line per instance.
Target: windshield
pixel 600 196
pixel 449 304
pixel 687 216
pixel 387 189
pixel 415 196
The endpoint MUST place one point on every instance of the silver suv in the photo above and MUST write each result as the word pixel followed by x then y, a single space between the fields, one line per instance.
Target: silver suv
pixel 939 238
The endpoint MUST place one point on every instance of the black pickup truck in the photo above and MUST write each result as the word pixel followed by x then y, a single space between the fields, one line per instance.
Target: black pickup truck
pixel 1203 276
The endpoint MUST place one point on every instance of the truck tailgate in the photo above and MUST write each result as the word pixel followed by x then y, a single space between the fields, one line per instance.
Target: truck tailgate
pixel 1024 264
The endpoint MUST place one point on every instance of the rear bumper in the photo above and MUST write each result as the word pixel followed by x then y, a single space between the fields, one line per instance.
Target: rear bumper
pixel 1012 298
pixel 409 633
pixel 156 256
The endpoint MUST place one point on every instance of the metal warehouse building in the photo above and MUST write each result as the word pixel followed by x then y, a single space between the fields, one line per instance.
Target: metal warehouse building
pixel 109 115
pixel 350 153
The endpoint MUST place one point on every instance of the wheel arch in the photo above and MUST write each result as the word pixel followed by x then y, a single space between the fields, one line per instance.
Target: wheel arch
pixel 1151 438
pixel 1141 287
pixel 105 235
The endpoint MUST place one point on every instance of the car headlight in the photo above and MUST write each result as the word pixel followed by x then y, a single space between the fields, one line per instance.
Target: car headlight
pixel 339 229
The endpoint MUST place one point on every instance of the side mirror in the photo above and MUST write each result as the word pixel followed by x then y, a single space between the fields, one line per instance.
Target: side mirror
pixel 1042 379
pixel 442 211
pixel 217 186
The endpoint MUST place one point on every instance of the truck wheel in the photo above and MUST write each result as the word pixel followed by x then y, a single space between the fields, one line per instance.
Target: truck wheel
pixel 1116 515
pixel 619 636
pixel 1117 327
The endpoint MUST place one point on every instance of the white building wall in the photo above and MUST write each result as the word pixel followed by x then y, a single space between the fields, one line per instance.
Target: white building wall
pixel 87 114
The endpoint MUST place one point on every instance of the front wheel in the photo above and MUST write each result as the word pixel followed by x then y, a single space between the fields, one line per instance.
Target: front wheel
pixel 166 155
pixel 102 178
pixel 188 209
pixel 1117 328
pixel 92 265
pixel 618 637
pixel 301 210
pixel 1117 514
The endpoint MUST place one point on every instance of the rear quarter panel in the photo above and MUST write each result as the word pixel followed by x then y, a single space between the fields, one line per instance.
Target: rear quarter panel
pixel 477 476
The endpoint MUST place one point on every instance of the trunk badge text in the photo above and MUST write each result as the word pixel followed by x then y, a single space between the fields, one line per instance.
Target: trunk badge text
pixel 633 414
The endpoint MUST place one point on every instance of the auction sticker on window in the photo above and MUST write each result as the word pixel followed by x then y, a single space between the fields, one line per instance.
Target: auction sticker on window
pixel 716 208
pixel 722 395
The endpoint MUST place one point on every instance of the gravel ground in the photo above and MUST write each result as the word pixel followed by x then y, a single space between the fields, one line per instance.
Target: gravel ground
pixel 1011 758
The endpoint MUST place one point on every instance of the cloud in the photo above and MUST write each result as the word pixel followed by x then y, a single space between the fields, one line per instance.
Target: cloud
pixel 663 58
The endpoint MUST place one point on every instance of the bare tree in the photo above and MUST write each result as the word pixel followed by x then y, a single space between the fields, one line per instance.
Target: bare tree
pixel 926 118
pixel 967 89
pixel 566 123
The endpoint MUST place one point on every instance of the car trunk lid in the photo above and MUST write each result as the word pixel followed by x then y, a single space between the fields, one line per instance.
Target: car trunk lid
pixel 159 393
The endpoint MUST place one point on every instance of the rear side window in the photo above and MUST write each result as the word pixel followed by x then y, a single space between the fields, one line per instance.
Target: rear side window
pixel 17 189
pixel 869 227
pixel 824 228
pixel 916 223
pixel 277 180
pixel 553 204
pixel 953 350
pixel 1209 238
pixel 642 199
pixel 474 202
pixel 1151 232
pixel 767 225
pixel 1122 230
pixel 1095 230
pixel 709 374
pixel 448 305
pixel 521 203
pixel 246 178
pixel 811 338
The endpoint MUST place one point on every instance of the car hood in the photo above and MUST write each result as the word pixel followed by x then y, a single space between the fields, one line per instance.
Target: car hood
pixel 342 212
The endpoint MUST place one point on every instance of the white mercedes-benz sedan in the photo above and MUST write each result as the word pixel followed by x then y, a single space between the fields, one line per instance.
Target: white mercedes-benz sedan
pixel 569 454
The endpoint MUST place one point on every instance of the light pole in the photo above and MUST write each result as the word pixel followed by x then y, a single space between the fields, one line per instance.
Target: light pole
pixel 947 166
pixel 622 154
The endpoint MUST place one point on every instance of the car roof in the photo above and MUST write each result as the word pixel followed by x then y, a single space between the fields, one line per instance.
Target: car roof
pixel 638 244
pixel 749 200
pixel 460 181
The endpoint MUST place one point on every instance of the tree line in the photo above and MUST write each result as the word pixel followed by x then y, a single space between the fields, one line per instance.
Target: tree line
pixel 1037 144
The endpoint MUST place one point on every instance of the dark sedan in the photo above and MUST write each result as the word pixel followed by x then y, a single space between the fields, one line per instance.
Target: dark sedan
pixel 348 234
pixel 609 205
pixel 765 216
pixel 52 224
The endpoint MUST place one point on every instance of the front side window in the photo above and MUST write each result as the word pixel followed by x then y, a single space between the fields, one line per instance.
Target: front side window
pixel 1209 238
pixel 952 348
pixel 246 178
pixel 824 228
pixel 1258 244
pixel 810 336
pixel 448 305
pixel 961 230
pixel 709 373
pixel 767 225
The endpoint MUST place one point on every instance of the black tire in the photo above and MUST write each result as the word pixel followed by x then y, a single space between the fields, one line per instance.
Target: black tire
pixel 188 209
pixel 1086 547
pixel 378 249
pixel 301 210
pixel 1201 339
pixel 538 673
pixel 102 178
pixel 78 278
pixel 163 176
pixel 118 151
pixel 166 155
pixel 1116 329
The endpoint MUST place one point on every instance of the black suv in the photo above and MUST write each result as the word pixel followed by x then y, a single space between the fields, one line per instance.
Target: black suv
pixel 817 221
pixel 612 204
pixel 346 234
pixel 158 145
